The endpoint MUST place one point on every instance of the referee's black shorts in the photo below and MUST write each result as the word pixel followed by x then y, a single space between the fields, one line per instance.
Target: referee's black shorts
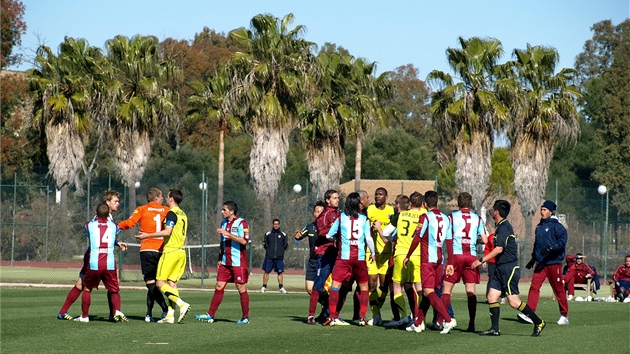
pixel 506 278
pixel 311 269
pixel 149 263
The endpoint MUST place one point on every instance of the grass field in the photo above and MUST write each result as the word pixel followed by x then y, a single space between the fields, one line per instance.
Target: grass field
pixel 28 325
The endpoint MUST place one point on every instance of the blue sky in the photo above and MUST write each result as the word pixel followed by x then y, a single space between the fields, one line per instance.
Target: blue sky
pixel 392 33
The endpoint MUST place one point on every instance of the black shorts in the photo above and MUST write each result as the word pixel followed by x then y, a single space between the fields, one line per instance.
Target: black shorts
pixel 149 263
pixel 505 279
pixel 311 269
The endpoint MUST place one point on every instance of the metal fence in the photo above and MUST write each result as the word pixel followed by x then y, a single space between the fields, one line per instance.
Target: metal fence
pixel 37 234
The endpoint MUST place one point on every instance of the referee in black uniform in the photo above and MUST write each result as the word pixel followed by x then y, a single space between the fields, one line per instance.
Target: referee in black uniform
pixel 507 273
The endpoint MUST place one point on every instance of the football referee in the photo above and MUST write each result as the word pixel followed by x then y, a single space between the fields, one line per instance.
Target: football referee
pixel 507 273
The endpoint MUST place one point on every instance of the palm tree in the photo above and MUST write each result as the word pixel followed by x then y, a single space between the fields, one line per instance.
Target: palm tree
pixel 368 107
pixel 144 104
pixel 271 78
pixel 544 116
pixel 322 122
pixel 65 106
pixel 466 113
pixel 209 103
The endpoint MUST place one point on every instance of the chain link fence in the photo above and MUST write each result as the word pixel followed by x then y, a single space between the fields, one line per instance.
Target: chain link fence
pixel 42 242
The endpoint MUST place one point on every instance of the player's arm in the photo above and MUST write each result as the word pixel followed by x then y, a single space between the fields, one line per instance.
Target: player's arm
pixel 171 220
pixel 415 240
pixel 368 240
pixel 482 232
pixel 332 232
pixel 495 252
pixel 300 235
pixel 132 221
pixel 560 235
pixel 285 241
pixel 378 227
pixel 236 238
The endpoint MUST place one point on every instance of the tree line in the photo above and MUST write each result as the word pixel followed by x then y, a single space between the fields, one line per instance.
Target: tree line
pixel 268 87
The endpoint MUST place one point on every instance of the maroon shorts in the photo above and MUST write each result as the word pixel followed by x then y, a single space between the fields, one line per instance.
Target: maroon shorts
pixel 461 269
pixel 346 269
pixel 230 274
pixel 93 278
pixel 431 275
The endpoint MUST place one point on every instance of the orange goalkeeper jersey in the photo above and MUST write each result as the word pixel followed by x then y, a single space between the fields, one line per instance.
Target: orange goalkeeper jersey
pixel 151 217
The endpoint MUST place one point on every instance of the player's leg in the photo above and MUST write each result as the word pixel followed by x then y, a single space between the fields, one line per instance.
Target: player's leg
pixel 86 300
pixel 538 277
pixel 72 296
pixel 241 285
pixel 471 296
pixel 569 280
pixel 280 270
pixel 554 274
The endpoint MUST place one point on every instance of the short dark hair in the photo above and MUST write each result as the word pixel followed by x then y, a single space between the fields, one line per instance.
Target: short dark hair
pixel 464 200
pixel 231 206
pixel 319 203
pixel 353 204
pixel 416 199
pixel 403 202
pixel 381 189
pixel 274 221
pixel 329 194
pixel 102 211
pixel 177 195
pixel 503 207
pixel 431 198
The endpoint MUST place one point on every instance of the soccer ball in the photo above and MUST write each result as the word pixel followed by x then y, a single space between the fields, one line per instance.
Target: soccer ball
pixel 579 298
pixel 297 188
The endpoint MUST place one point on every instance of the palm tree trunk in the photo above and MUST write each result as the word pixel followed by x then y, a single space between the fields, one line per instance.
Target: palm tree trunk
pixel 357 164
pixel 530 160
pixel 132 198
pixel 267 162
pixel 325 165
pixel 220 182
pixel 473 165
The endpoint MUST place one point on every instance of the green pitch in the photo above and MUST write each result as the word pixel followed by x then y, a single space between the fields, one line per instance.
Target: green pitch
pixel 28 325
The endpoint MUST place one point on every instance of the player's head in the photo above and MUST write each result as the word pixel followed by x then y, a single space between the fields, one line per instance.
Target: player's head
pixel 176 195
pixel 365 198
pixel 102 211
pixel 320 205
pixel 628 260
pixel 579 258
pixel 547 209
pixel 353 204
pixel 153 194
pixel 464 200
pixel 431 198
pixel 380 196
pixel 276 224
pixel 402 202
pixel 416 199
pixel 112 199
pixel 229 208
pixel 502 207
pixel 332 198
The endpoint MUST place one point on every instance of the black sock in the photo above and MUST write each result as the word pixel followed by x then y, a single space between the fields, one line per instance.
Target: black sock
pixel 150 298
pixel 279 286
pixel 524 308
pixel 159 298
pixel 495 312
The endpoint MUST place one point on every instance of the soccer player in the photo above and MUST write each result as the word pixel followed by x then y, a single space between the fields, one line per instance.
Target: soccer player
pixel 433 226
pixel 232 262
pixel 507 274
pixel 112 199
pixel 403 226
pixel 379 211
pixel 324 249
pixel 101 233
pixel 352 231
pixel 275 243
pixel 467 229
pixel 151 218
pixel 173 261
pixel 310 231
pixel 547 256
